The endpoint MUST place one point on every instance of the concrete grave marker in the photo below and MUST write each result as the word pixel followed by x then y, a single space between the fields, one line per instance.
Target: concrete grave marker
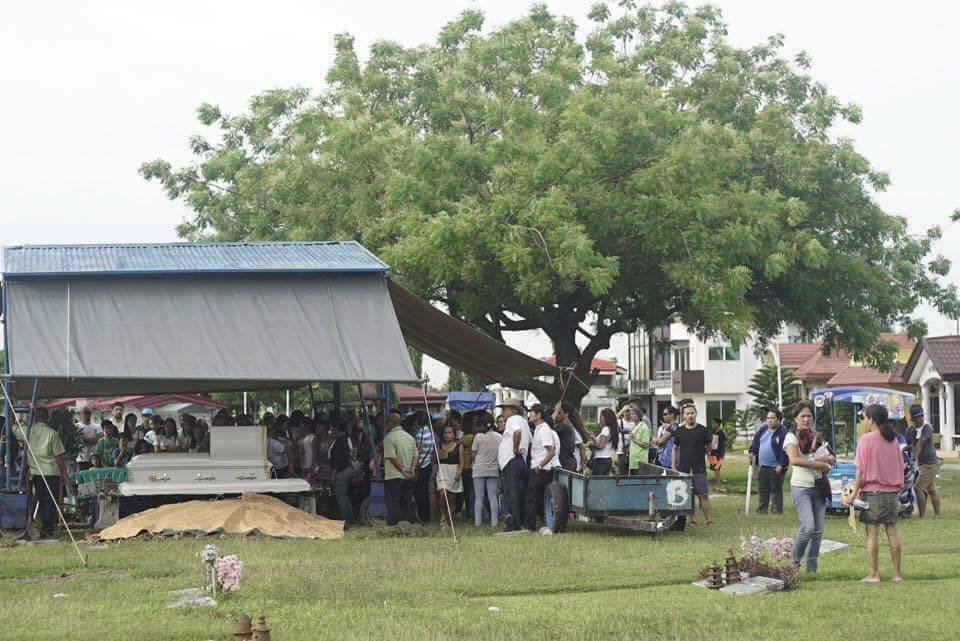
pixel 827 545
pixel 754 586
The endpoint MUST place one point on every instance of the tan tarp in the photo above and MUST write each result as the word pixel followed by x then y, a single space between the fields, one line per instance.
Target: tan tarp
pixel 250 514
pixel 460 346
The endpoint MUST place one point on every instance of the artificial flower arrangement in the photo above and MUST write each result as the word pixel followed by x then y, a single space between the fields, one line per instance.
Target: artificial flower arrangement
pixel 779 550
pixel 224 571
pixel 754 564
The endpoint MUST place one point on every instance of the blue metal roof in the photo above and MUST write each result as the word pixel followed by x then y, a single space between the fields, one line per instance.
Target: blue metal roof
pixel 173 258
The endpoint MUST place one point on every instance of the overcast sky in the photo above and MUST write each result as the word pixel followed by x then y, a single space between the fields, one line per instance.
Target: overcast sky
pixel 92 89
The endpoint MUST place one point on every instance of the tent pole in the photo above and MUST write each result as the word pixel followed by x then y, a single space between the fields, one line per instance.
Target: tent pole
pixel 366 419
pixel 288 403
pixel 833 425
pixel 245 403
pixel 385 394
pixel 313 402
pixel 8 436
pixel 33 405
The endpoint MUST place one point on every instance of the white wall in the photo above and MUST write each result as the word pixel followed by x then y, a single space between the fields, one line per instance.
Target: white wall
pixel 722 380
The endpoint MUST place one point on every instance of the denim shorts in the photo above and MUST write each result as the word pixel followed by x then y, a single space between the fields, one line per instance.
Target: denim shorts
pixel 883 510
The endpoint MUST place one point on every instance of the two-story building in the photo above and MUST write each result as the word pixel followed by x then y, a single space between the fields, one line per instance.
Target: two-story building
pixel 671 363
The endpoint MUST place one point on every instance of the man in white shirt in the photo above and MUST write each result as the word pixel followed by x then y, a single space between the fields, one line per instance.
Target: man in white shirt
pixel 305 466
pixel 512 457
pixel 544 450
pixel 90 433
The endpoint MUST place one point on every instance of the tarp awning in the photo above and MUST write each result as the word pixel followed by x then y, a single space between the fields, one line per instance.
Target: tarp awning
pixel 470 401
pixel 207 332
pixel 460 346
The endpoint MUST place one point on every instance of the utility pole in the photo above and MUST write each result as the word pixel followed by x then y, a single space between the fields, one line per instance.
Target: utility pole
pixel 776 360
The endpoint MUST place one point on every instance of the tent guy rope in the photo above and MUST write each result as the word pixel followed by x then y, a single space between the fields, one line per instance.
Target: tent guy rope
pixel 436 453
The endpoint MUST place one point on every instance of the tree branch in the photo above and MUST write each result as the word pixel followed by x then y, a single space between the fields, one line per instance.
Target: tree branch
pixel 629 170
pixel 585 333
pixel 520 325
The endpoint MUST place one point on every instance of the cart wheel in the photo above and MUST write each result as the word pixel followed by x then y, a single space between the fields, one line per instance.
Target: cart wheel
pixel 556 507
pixel 680 524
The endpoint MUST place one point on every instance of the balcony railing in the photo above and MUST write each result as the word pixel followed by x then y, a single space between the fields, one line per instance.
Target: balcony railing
pixel 663 376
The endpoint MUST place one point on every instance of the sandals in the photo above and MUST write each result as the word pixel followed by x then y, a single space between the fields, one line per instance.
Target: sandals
pixel 869 580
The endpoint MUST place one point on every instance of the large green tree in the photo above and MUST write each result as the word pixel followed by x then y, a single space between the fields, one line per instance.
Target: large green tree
pixel 527 179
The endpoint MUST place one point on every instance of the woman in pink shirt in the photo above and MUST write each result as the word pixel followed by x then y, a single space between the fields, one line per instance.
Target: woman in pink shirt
pixel 879 479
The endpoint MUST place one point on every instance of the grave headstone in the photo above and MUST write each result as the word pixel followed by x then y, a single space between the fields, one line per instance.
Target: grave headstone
pixel 754 586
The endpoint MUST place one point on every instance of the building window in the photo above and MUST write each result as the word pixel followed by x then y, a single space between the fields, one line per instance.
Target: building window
pixel 724 353
pixel 681 359
pixel 720 409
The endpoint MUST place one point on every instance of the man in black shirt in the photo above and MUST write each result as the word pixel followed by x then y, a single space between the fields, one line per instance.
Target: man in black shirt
pixel 341 463
pixel 565 431
pixel 691 443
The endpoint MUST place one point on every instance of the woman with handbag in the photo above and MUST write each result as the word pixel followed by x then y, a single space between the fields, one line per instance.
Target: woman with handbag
pixel 810 462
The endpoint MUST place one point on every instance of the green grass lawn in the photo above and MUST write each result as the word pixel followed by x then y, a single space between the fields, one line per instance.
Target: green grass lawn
pixel 591 583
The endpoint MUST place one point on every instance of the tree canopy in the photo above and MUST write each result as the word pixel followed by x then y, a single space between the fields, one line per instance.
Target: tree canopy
pixel 526 178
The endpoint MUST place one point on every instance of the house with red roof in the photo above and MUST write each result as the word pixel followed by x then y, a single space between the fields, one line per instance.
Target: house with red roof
pixel 934 367
pixel 671 363
pixel 816 370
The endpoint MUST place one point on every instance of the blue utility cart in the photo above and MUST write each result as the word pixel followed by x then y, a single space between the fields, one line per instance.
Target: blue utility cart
pixel 652 500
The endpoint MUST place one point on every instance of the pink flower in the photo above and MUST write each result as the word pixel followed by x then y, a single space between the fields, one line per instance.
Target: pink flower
pixel 779 549
pixel 228 569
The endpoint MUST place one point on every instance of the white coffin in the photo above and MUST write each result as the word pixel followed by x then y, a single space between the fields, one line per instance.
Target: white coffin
pixel 237 463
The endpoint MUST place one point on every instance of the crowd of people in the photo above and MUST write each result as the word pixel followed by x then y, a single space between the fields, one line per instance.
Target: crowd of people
pixel 116 440
pixel 495 469
pixel 881 489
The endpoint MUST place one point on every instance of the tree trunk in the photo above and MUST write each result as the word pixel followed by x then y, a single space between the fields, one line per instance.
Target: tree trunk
pixel 574 383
